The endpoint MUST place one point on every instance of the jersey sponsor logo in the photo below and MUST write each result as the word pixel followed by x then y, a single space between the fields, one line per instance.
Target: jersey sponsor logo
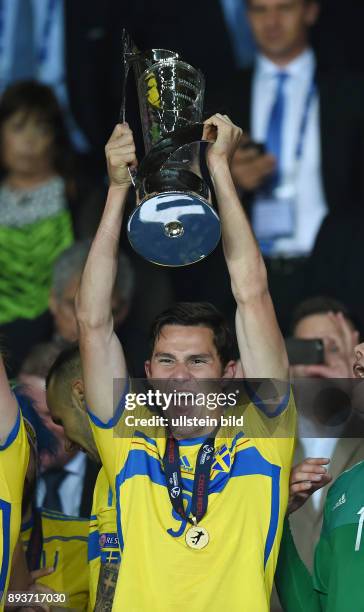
pixel 340 502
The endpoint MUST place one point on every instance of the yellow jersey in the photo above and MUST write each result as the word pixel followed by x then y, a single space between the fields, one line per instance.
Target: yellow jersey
pixel 248 494
pixel 14 457
pixel 103 544
pixel 64 547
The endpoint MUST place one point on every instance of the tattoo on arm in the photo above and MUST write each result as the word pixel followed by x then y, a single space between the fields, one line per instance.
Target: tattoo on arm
pixel 106 587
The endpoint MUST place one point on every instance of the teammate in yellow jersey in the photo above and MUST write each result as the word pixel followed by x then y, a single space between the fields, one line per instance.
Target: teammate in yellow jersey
pixel 55 545
pixel 65 399
pixel 14 456
pixel 104 552
pixel 55 540
pixel 199 508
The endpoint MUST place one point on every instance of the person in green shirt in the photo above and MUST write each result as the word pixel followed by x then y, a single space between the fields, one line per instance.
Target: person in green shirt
pixel 337 581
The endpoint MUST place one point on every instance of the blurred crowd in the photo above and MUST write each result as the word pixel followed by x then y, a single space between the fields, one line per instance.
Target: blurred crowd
pixel 291 74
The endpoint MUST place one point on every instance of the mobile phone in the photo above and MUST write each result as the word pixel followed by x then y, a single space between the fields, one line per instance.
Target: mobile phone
pixel 305 352
pixel 259 147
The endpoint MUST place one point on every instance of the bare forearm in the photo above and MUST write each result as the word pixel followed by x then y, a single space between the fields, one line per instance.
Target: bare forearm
pixel 242 254
pixel 106 588
pixel 94 296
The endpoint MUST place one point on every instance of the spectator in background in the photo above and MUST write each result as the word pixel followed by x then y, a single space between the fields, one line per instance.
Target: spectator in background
pixel 67 478
pixel 35 222
pixel 311 124
pixel 74 49
pixel 66 279
pixel 40 210
pixel 326 319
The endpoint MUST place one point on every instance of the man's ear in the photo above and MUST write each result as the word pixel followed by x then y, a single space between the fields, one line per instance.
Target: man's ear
pixel 78 392
pixel 229 370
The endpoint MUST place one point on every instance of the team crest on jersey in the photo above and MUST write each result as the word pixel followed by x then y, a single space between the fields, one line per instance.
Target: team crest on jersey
pixel 222 460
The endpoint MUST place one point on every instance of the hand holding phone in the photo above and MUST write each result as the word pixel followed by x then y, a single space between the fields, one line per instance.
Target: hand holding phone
pixel 251 165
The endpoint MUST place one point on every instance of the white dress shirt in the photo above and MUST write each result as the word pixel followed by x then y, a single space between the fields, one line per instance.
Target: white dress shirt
pixel 310 204
pixel 70 490
pixel 52 70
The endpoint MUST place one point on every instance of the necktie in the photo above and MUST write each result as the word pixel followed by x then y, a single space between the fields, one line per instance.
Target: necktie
pixel 53 480
pixel 275 127
pixel 24 51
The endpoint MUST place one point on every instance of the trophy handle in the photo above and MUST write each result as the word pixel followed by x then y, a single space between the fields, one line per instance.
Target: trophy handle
pixel 129 49
pixel 159 154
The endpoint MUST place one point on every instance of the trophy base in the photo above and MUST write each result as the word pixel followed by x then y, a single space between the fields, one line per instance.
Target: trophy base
pixel 174 228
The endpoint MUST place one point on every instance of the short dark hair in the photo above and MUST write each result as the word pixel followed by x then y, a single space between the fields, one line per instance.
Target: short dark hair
pixel 198 314
pixel 321 305
pixel 66 367
pixel 37 100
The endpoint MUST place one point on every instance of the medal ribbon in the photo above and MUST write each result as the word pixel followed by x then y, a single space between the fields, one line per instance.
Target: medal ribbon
pixel 171 463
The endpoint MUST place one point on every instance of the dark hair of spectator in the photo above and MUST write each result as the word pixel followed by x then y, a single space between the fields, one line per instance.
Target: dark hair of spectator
pixel 38 101
pixel 321 305
pixel 199 314
pixel 46 440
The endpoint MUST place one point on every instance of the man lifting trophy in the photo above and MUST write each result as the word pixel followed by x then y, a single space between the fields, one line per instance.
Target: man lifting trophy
pixel 174 223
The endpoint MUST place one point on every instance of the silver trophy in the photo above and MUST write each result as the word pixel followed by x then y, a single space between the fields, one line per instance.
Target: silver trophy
pixel 174 222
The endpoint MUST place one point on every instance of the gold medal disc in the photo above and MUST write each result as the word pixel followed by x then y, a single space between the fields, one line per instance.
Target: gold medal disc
pixel 197 537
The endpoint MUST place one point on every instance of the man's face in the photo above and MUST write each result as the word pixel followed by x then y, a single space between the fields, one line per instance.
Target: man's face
pixel 63 310
pixel 35 389
pixel 184 359
pixel 64 314
pixel 73 418
pixel 338 355
pixel 280 26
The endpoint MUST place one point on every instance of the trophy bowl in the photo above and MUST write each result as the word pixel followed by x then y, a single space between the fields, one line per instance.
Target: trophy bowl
pixel 174 223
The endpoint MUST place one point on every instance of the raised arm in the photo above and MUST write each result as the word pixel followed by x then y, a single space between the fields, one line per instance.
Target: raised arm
pixel 261 345
pixel 101 352
pixel 8 406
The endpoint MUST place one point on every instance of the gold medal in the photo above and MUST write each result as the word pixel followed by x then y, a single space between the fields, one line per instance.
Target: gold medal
pixel 197 537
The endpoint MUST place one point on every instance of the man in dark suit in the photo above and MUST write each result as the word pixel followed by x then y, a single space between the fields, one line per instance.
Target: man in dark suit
pixel 311 125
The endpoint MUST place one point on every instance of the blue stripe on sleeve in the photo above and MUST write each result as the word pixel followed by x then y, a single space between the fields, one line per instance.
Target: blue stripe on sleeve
pixel 255 399
pixel 93 547
pixel 5 509
pixel 118 412
pixel 12 435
